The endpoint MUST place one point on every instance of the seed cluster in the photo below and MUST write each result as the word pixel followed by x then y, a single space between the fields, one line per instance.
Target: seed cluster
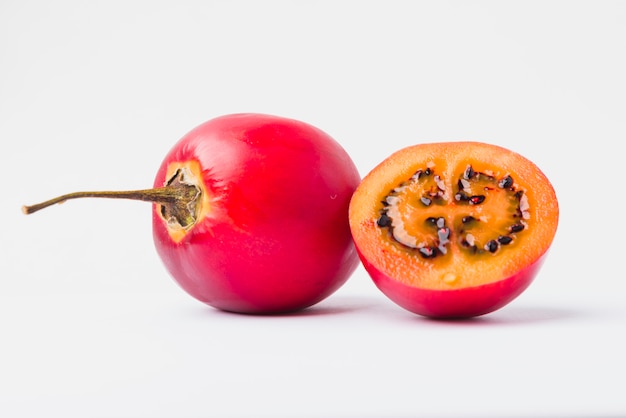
pixel 435 194
pixel 433 191
pixel 463 184
pixel 507 184
pixel 443 238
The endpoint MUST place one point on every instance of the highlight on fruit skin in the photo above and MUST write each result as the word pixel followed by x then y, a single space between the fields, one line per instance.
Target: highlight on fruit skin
pixel 453 229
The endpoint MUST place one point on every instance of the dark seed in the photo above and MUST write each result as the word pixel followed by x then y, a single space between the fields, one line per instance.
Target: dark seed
pixel 427 172
pixel 467 219
pixel 384 221
pixel 426 201
pixel 461 197
pixel 477 200
pixel 466 244
pixel 431 220
pixel 506 182
pixel 504 239
pixel 427 252
pixel 492 246
pixel 516 228
pixel 460 185
pixel 469 172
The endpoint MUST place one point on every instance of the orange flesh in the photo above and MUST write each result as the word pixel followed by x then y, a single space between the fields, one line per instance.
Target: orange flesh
pixel 418 235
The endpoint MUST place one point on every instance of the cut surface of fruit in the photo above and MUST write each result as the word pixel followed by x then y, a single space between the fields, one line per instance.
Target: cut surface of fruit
pixel 452 215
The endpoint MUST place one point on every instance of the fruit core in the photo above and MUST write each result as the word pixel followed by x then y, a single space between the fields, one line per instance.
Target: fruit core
pixel 474 212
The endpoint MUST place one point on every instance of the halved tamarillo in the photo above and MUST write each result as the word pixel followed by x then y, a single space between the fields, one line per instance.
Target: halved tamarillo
pixel 250 213
pixel 453 229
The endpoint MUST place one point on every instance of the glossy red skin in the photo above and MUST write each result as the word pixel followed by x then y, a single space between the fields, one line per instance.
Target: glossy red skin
pixel 458 303
pixel 277 238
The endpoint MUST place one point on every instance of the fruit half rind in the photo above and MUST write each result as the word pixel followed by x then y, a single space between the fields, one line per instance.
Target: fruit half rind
pixel 456 303
pixel 454 229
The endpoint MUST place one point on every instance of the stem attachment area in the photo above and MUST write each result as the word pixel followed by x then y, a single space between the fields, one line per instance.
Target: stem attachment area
pixel 180 198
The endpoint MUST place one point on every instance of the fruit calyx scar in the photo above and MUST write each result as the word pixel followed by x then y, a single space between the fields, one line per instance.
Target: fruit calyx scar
pixel 184 211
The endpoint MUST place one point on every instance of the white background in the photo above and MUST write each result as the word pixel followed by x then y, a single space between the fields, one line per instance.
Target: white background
pixel 92 96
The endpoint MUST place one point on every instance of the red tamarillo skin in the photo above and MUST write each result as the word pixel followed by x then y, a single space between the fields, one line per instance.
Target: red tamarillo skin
pixel 271 233
pixel 456 303
pixel 454 230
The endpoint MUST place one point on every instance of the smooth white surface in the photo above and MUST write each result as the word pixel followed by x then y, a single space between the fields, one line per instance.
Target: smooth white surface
pixel 93 94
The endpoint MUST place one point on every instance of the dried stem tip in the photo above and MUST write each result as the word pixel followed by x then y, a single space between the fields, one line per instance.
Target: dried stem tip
pixel 161 195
